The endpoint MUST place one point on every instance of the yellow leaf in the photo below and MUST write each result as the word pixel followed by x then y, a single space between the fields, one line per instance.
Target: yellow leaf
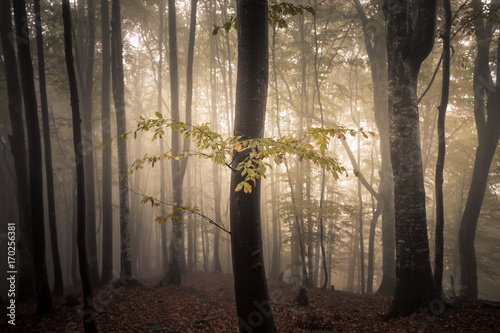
pixel 237 146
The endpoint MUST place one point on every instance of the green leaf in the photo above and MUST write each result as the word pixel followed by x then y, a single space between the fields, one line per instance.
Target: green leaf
pixel 239 187
pixel 159 115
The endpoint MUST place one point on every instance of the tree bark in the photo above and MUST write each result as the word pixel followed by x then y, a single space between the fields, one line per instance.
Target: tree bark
pixel 88 144
pixel 121 124
pixel 439 241
pixel 35 158
pixel 252 298
pixel 17 143
pixel 88 301
pixel 410 38
pixel 58 280
pixel 107 203
pixel 488 132
pixel 374 38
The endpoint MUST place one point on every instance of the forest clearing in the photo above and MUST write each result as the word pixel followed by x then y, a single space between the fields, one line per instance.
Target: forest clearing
pixel 205 303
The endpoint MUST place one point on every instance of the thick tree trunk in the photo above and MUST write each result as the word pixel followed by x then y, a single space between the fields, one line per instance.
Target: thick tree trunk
pixel 178 167
pixel 488 131
pixel 88 301
pixel 410 39
pixel 58 280
pixel 35 158
pixel 88 145
pixel 107 203
pixel 252 298
pixel 18 148
pixel 121 124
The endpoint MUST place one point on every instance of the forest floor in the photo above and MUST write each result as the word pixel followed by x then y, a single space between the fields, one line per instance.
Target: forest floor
pixel 205 303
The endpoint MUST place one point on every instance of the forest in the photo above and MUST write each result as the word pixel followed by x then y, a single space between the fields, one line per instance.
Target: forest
pixel 250 165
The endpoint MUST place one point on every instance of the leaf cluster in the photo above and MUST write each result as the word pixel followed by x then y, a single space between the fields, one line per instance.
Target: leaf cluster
pixel 258 153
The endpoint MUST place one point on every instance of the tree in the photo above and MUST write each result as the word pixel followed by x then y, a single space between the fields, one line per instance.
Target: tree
pixel 87 80
pixel 58 280
pixel 35 157
pixel 375 44
pixel 252 299
pixel 107 208
pixel 121 124
pixel 438 261
pixel 88 300
pixel 410 38
pixel 18 147
pixel 487 117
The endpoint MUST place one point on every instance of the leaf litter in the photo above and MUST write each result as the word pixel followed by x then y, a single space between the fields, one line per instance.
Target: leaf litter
pixel 205 303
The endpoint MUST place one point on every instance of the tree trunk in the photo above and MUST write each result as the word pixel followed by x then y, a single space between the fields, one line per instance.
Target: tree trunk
pixel 252 299
pixel 18 148
pixel 215 167
pixel 88 145
pixel 107 203
pixel 438 259
pixel 178 167
pixel 488 132
pixel 410 38
pixel 374 39
pixel 121 125
pixel 88 301
pixel 58 280
pixel 35 158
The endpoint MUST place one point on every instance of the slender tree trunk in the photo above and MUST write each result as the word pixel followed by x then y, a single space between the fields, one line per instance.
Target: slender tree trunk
pixel 88 145
pixel 163 231
pixel 215 167
pixel 486 93
pixel 58 281
pixel 107 203
pixel 18 148
pixel 252 299
pixel 88 301
pixel 121 123
pixel 35 158
pixel 375 44
pixel 438 259
pixel 323 176
pixel 410 38
pixel 360 228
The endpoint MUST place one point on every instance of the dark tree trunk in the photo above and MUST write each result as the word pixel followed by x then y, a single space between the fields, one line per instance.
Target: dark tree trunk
pixel 107 203
pixel 410 38
pixel 439 242
pixel 58 280
pixel 35 158
pixel 121 125
pixel 88 301
pixel 488 132
pixel 18 148
pixel 88 145
pixel 252 299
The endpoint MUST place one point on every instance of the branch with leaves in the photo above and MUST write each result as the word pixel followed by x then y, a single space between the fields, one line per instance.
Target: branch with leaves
pixel 259 152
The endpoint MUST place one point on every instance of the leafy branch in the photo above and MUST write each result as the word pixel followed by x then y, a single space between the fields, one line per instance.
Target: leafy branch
pixel 213 146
